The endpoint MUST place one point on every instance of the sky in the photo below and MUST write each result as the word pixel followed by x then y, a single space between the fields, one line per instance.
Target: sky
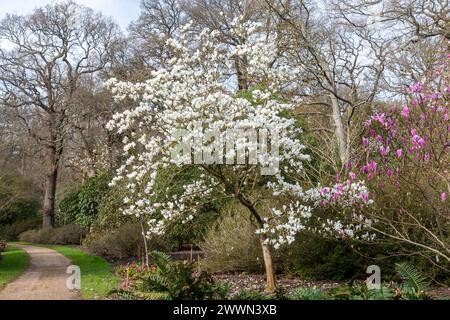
pixel 123 11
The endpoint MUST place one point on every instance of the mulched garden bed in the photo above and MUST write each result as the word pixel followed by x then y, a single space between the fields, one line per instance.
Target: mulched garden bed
pixel 257 282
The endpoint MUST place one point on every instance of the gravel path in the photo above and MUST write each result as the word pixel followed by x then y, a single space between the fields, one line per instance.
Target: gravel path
pixel 45 279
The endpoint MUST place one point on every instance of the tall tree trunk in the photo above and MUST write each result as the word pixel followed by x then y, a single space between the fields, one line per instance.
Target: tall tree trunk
pixel 339 129
pixel 53 157
pixel 49 197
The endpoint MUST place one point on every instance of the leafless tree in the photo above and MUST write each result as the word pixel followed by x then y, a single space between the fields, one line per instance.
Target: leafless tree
pixel 418 32
pixel 342 65
pixel 47 54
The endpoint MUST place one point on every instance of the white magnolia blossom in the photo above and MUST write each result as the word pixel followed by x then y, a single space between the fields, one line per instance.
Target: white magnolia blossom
pixel 196 92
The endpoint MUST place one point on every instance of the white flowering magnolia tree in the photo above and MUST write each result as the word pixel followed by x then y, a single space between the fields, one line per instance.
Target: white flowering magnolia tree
pixel 196 95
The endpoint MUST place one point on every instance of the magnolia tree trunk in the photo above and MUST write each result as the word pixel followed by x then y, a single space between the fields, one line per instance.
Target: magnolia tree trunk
pixel 144 236
pixel 268 265
pixel 267 255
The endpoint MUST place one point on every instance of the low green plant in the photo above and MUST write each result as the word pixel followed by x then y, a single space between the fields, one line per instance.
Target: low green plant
pixel 177 280
pixel 360 292
pixel 12 231
pixel 124 242
pixel 66 235
pixel 307 294
pixel 414 283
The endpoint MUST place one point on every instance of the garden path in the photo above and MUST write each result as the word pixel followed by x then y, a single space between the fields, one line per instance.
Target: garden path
pixel 45 279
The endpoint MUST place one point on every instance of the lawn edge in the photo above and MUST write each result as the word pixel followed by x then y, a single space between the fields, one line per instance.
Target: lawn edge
pixel 27 266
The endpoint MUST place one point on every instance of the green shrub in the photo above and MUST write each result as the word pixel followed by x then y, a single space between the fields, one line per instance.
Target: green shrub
pixel 250 295
pixel 31 236
pixel 70 234
pixel 360 292
pixel 68 209
pixel 81 206
pixel 110 217
pixel 66 235
pixel 20 205
pixel 12 231
pixel 125 242
pixel 318 258
pixel 176 280
pixel 19 199
pixel 307 294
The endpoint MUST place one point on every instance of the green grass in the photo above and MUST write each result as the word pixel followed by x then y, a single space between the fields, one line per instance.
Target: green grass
pixel 97 275
pixel 13 263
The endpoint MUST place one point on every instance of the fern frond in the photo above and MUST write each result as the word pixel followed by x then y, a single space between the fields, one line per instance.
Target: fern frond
pixel 156 282
pixel 161 259
pixel 412 278
pixel 152 295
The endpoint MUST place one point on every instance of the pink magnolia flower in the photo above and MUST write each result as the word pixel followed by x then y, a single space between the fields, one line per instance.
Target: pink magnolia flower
pixel 379 138
pixel 405 112
pixel 399 153
pixel 364 196
pixel 417 87
pixel 390 172
pixel 352 175
pixel 384 151
pixel 365 142
pixel 443 197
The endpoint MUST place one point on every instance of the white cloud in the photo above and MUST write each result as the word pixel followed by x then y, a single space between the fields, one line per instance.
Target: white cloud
pixel 123 11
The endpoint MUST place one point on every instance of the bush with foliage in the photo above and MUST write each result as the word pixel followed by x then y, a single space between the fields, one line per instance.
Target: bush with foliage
pixel 314 257
pixel 124 242
pixel 307 294
pixel 110 217
pixel 82 206
pixel 12 231
pixel 176 280
pixel 20 205
pixel 66 235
